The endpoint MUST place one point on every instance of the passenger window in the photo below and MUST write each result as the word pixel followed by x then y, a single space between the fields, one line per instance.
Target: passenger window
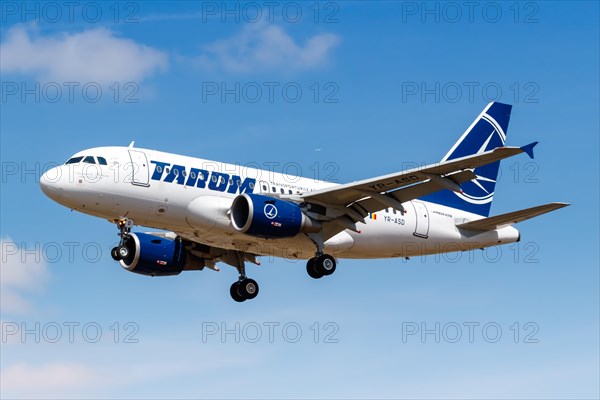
pixel 89 160
pixel 282 191
pixel 290 191
pixel 264 187
pixel 102 161
pixel 74 160
pixel 274 190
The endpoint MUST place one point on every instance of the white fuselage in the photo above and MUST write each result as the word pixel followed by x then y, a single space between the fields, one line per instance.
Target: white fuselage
pixel 192 197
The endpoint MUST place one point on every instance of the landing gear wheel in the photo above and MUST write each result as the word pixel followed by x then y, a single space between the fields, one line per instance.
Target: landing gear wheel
pixel 123 252
pixel 320 266
pixel 235 293
pixel 245 289
pixel 311 269
pixel 325 264
pixel 248 288
pixel 114 253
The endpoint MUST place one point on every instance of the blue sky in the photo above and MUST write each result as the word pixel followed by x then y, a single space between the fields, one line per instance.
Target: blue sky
pixel 345 90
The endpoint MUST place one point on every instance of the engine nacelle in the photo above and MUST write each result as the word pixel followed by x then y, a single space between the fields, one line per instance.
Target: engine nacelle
pixel 268 217
pixel 209 212
pixel 157 256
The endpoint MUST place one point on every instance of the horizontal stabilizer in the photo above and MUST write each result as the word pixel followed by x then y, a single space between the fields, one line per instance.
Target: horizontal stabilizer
pixel 500 221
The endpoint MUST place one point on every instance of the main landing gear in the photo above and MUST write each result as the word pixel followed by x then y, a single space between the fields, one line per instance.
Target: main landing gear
pixel 245 288
pixel 121 251
pixel 320 266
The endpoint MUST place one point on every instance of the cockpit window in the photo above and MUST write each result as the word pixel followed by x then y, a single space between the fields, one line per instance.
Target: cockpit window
pixel 89 160
pixel 101 160
pixel 74 160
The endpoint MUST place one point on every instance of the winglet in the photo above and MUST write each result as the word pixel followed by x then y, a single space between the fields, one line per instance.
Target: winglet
pixel 528 148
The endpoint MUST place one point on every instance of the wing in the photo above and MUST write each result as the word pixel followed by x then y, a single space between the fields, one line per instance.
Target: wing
pixel 347 204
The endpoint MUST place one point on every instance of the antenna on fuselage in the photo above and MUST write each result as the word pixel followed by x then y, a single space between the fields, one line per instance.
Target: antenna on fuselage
pixel 131 144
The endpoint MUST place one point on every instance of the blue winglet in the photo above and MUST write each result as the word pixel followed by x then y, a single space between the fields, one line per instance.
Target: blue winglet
pixel 528 148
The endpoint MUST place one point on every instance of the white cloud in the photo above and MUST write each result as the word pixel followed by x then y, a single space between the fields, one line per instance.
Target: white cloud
pixel 21 271
pixel 94 55
pixel 126 372
pixel 267 47
pixel 49 379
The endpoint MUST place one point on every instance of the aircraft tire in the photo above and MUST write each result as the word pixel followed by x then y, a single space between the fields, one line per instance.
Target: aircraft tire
pixel 311 265
pixel 114 253
pixel 235 293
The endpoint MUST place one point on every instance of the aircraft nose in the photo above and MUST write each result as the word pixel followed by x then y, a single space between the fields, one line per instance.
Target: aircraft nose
pixel 49 183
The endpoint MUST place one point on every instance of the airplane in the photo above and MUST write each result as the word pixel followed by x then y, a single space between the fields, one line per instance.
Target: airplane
pixel 210 212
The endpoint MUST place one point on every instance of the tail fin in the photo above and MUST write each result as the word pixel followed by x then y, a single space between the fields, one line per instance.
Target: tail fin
pixel 487 132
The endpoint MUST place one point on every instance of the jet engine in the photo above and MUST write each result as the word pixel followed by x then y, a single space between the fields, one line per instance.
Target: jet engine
pixel 152 255
pixel 268 217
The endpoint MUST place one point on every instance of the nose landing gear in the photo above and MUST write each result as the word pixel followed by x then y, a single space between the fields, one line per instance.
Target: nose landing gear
pixel 121 251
